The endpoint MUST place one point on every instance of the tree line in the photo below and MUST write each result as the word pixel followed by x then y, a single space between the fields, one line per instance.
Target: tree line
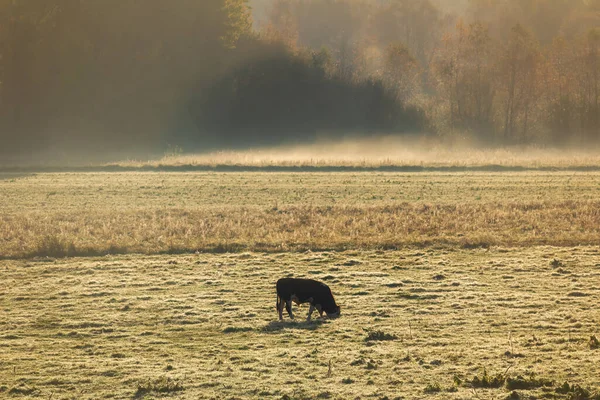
pixel 106 74
pixel 138 76
pixel 134 77
pixel 501 71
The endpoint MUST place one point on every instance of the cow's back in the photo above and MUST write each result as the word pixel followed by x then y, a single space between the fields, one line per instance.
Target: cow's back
pixel 303 289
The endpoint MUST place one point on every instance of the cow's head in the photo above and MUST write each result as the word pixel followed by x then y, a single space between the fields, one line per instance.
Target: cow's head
pixel 334 313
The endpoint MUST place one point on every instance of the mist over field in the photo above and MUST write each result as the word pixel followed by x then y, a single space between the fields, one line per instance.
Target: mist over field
pixel 97 82
pixel 380 151
pixel 386 152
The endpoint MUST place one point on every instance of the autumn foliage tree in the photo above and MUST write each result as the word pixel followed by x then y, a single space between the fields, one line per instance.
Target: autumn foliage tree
pixel 417 24
pixel 519 68
pixel 588 85
pixel 401 70
pixel 466 78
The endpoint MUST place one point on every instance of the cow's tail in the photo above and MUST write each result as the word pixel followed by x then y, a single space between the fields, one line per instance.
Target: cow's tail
pixel 278 303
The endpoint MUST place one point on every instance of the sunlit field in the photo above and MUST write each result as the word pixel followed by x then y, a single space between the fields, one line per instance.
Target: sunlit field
pixel 370 153
pixel 111 213
pixel 383 152
pixel 415 324
pixel 162 285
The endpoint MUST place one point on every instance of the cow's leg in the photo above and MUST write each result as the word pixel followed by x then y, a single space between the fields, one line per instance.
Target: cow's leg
pixel 310 311
pixel 288 307
pixel 320 310
pixel 280 305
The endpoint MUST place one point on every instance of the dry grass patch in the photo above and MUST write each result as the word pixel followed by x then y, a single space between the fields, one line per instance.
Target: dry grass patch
pixel 380 152
pixel 91 214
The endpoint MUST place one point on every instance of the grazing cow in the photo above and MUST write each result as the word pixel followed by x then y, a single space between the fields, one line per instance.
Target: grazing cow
pixel 305 291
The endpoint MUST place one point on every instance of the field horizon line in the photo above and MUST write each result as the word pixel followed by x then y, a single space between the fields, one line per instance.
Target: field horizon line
pixel 295 168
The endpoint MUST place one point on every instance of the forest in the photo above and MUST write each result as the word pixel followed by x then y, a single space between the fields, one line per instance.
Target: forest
pixel 499 71
pixel 207 74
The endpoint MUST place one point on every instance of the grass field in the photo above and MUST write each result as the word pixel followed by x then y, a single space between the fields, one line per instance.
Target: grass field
pixel 205 326
pixel 57 214
pixel 452 285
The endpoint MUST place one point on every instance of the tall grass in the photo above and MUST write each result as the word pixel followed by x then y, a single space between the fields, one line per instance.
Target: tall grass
pixel 61 215
pixel 299 228
pixel 384 151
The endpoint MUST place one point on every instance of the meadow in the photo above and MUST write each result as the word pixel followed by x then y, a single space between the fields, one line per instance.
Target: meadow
pixel 162 284
pixel 79 214
pixel 444 324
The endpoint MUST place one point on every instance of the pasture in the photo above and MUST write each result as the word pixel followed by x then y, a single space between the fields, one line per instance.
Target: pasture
pixel 205 325
pixel 452 285
pixel 89 214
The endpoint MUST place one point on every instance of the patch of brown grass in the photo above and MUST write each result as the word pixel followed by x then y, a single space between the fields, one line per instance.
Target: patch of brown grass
pixel 300 228
pixel 60 215
pixel 382 151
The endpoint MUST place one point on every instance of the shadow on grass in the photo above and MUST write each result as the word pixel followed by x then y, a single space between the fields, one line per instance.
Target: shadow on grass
pixel 276 326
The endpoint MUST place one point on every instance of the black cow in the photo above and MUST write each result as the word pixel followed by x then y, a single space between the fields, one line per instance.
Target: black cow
pixel 305 291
